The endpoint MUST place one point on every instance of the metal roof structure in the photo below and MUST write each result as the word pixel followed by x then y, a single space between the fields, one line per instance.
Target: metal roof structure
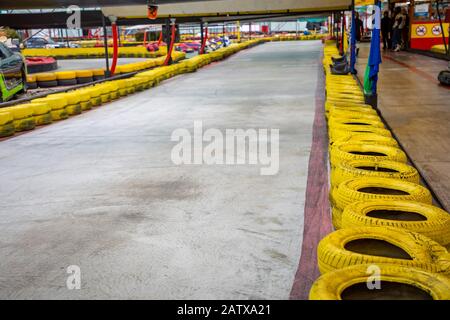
pixel 133 12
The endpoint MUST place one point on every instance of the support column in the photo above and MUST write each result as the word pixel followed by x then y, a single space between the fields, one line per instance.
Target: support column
pixel 239 32
pixel 224 31
pixel 411 18
pixel 105 42
pixel 201 33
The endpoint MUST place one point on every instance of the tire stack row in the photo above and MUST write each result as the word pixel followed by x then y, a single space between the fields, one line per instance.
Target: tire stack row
pixel 390 241
pixel 299 38
pixel 70 78
pixel 60 106
pixel 93 53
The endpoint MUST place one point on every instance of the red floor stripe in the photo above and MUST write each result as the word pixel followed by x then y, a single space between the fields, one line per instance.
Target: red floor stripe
pixel 317 222
pixel 423 74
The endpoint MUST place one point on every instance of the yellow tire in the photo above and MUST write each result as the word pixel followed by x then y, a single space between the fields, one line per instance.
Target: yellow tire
pixel 96 101
pixel 105 98
pixel 31 78
pixel 332 110
pixel 40 108
pixel 60 114
pixel 368 168
pixel 7 130
pixel 425 219
pixel 24 124
pixel 336 217
pixel 66 75
pixel 375 245
pixel 396 283
pixel 115 95
pixel 71 97
pixel 18 112
pixel 98 72
pixel 43 119
pixel 123 92
pixel 46 76
pixel 84 73
pixel 73 109
pixel 369 138
pixel 55 102
pixel 370 189
pixel 338 115
pixel 339 122
pixel 361 151
pixel 329 105
pixel 86 105
pixel 5 117
pixel 337 132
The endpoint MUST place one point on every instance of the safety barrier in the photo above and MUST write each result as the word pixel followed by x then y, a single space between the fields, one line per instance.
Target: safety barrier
pixel 88 53
pixel 299 38
pixel 60 106
pixel 384 218
pixel 68 78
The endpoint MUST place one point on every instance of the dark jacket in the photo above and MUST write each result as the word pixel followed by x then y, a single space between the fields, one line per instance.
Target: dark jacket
pixel 359 29
pixel 386 25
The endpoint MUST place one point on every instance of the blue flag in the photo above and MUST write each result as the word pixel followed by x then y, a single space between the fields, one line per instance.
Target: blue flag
pixel 353 43
pixel 373 65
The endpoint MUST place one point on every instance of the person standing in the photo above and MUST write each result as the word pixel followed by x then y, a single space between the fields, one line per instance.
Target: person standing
pixel 405 30
pixel 359 27
pixel 386 31
pixel 399 24
pixel 359 30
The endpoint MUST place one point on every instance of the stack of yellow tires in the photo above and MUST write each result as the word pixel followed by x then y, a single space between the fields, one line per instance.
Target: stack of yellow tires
pixel 390 241
pixel 6 124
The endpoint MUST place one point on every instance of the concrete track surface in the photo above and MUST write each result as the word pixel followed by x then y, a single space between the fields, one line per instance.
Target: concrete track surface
pixel 100 190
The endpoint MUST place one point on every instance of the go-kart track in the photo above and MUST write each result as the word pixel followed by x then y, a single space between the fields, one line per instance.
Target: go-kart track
pixel 100 190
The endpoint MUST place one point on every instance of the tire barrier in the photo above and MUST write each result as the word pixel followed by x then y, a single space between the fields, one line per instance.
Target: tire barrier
pixel 41 113
pixel 92 53
pixel 425 219
pixel 68 78
pixel 396 283
pixel 384 218
pixel 298 38
pixel 23 119
pixel 6 124
pixel 31 82
pixel 374 245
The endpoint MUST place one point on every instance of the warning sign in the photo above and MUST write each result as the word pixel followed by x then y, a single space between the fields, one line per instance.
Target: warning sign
pixel 421 30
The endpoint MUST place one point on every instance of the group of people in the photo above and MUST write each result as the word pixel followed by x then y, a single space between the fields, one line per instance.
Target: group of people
pixel 395 29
